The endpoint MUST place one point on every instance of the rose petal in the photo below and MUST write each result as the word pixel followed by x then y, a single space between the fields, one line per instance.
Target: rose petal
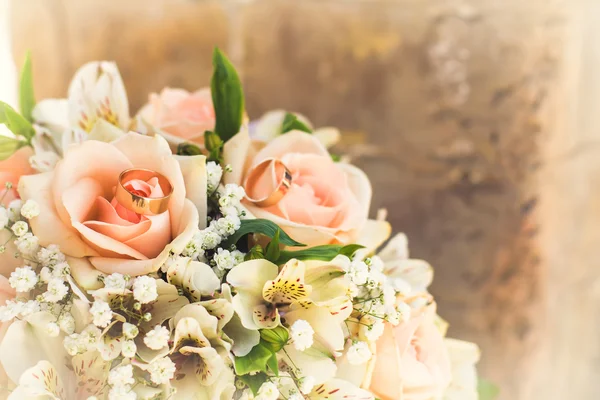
pixel 193 169
pixel 47 226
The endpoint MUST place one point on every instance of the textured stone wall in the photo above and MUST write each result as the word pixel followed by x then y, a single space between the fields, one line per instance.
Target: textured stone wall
pixel 453 108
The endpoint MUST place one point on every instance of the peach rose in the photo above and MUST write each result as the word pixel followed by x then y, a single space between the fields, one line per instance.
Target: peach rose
pixel 328 202
pixel 181 116
pixel 11 171
pixel 6 293
pixel 78 211
pixel 411 360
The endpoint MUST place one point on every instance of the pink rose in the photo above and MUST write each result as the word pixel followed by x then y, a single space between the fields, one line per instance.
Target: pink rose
pixel 328 202
pixel 181 116
pixel 78 211
pixel 11 171
pixel 411 361
pixel 6 293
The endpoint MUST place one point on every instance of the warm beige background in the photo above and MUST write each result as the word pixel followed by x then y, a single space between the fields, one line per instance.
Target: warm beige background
pixel 476 121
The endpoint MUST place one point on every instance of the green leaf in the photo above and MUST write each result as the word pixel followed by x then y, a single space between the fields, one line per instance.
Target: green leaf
pixel 255 361
pixel 214 145
pixel 8 146
pixel 227 96
pixel 273 250
pixel 188 149
pixel 26 95
pixel 255 253
pixel 254 382
pixel 274 338
pixel 350 249
pixel 291 123
pixel 273 364
pixel 264 227
pixel 487 390
pixel 15 122
pixel 325 252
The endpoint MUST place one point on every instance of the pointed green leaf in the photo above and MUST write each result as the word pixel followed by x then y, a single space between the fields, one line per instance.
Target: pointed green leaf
pixel 255 361
pixel 273 364
pixel 272 250
pixel 26 95
pixel 8 146
pixel 15 122
pixel 291 123
pixel 254 382
pixel 325 252
pixel 263 227
pixel 350 249
pixel 227 96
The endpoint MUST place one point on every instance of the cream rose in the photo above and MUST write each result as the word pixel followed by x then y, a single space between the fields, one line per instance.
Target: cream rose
pixel 411 360
pixel 78 211
pixel 180 116
pixel 328 202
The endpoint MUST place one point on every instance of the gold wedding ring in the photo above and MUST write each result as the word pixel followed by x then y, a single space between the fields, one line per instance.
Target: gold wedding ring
pixel 141 204
pixel 283 182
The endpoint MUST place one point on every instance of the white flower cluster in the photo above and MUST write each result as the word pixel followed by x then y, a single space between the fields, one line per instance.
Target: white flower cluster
pixel 214 173
pixel 120 380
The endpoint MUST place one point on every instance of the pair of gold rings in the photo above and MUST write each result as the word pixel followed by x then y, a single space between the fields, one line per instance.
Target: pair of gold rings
pixel 134 201
pixel 282 178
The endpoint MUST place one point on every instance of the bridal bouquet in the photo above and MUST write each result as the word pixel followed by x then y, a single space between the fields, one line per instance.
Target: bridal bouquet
pixel 188 253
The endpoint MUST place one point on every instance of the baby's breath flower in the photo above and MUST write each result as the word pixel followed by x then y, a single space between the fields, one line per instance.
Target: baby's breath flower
pixel 224 259
pixel 28 244
pixel 14 209
pixel 359 353
pixel 45 274
pixel 23 279
pixel 359 272
pixel 101 313
pixel 90 337
pixel 128 349
pixel 74 345
pixel 161 370
pixel 302 335
pixel 56 290
pixel 115 281
pixel 144 289
pixel 130 331
pixel 374 330
pixel 157 338
pixel 121 376
pixel 66 322
pixel 30 209
pixel 209 239
pixel 214 172
pixel 227 225
pixel 52 329
pixel 61 270
pixel 121 393
pixel 20 228
pixel 50 256
pixel 268 391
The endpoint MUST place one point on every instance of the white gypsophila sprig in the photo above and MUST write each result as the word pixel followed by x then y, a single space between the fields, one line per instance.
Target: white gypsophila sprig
pixel 214 173
pixel 115 281
pixel 19 228
pixel 161 370
pixel 359 353
pixel 302 334
pixel 268 391
pixel 128 349
pixel 101 313
pixel 28 244
pixel 56 290
pixel 14 209
pixel 121 376
pixel 157 338
pixel 144 289
pixel 30 209
pixel 130 331
pixel 23 279
pixel 50 256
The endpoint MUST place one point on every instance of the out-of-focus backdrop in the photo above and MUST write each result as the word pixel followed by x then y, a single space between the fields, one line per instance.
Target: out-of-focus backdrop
pixel 477 121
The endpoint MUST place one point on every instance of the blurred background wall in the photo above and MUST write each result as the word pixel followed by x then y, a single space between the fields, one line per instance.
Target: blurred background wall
pixel 476 120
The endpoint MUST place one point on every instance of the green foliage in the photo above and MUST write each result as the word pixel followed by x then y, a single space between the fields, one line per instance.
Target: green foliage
pixel 188 149
pixel 263 227
pixel 487 390
pixel 8 146
pixel 254 382
pixel 227 96
pixel 291 123
pixel 275 338
pixel 255 361
pixel 324 253
pixel 263 357
pixel 255 253
pixel 214 145
pixel 15 122
pixel 272 250
pixel 26 95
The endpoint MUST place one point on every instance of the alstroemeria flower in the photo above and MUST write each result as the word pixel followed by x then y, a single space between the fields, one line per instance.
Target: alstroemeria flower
pixel 200 353
pixel 463 357
pixel 261 289
pixel 337 389
pixel 195 278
